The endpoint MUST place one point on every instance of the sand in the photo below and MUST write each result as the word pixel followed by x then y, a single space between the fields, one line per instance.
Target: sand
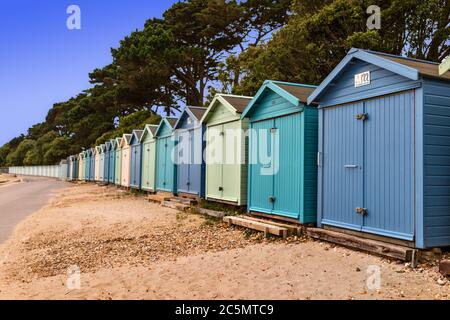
pixel 7 179
pixel 129 248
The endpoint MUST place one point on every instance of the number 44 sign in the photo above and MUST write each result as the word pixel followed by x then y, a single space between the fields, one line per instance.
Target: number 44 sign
pixel 362 79
pixel 444 66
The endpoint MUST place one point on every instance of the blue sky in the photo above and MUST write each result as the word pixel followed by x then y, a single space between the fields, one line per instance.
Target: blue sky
pixel 42 62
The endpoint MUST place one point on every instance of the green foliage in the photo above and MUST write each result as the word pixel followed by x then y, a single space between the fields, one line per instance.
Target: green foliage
pixel 320 33
pixel 17 156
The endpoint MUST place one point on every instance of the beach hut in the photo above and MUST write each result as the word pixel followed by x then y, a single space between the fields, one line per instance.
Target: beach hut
pixel 282 172
pixel 75 167
pixel 68 168
pixel 384 149
pixel 101 170
pixel 136 159
pixel 92 164
pixel 97 151
pixel 118 162
pixel 71 161
pixel 83 166
pixel 165 160
pixel 63 167
pixel 148 142
pixel 189 133
pixel 112 161
pixel 226 149
pixel 106 154
pixel 126 161
pixel 80 166
pixel 87 165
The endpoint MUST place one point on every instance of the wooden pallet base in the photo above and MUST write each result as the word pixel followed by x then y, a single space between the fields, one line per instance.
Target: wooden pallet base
pixel 211 213
pixel 273 217
pixel 187 201
pixel 373 246
pixel 294 229
pixel 268 227
pixel 176 205
pixel 156 198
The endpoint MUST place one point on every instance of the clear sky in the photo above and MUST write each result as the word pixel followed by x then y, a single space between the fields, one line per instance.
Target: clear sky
pixel 42 62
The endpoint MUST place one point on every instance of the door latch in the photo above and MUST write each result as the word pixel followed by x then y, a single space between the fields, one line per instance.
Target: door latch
pixel 362 211
pixel 220 188
pixel 272 199
pixel 362 116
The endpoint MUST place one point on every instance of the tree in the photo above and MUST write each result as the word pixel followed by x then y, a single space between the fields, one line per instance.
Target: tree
pixel 16 157
pixel 319 34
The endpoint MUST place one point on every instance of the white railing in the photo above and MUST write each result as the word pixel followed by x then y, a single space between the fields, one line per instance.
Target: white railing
pixel 56 171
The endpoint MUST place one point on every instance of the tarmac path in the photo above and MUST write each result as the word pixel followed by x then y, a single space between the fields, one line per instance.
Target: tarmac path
pixel 18 200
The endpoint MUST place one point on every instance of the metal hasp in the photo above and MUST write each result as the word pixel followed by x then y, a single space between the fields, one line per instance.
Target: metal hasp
pixel 362 211
pixel 272 199
pixel 362 116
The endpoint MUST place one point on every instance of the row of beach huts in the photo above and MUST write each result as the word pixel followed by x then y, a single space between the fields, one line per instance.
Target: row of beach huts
pixel 367 151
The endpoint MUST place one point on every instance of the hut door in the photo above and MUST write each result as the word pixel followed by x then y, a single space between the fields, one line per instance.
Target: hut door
pixel 261 167
pixel 342 161
pixel 215 158
pixel 106 167
pixel 112 165
pixel 183 161
pixel 161 161
pixel 146 165
pixel 137 160
pixel 169 165
pixel 195 161
pixel 286 154
pixel 232 160
pixel 389 165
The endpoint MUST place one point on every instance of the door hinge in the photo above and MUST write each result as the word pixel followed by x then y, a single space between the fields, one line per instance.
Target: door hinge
pixel 362 116
pixel 362 211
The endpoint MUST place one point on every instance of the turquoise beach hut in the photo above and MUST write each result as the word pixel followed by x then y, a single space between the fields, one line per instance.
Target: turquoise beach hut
pixel 165 158
pixel 282 172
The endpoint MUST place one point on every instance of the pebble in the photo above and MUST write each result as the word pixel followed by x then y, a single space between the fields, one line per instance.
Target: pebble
pixel 442 282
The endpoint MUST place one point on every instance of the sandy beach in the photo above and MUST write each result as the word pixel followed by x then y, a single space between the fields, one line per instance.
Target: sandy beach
pixel 126 247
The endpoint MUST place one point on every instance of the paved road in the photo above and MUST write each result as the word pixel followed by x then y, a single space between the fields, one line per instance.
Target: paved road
pixel 18 200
